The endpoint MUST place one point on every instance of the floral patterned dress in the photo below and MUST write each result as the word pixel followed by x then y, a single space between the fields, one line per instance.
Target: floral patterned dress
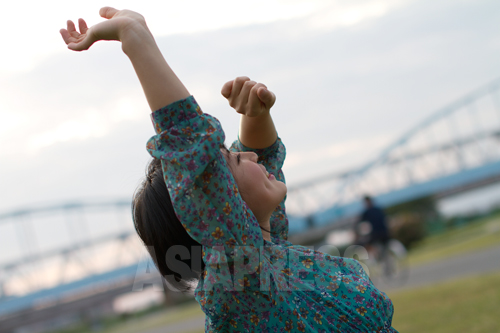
pixel 250 284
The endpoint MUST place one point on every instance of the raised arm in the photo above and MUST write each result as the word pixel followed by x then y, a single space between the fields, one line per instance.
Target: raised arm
pixel 160 84
pixel 258 134
pixel 253 101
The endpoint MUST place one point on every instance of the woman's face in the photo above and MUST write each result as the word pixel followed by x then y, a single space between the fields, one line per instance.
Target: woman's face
pixel 260 190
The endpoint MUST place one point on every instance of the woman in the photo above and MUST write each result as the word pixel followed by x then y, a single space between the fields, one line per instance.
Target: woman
pixel 231 202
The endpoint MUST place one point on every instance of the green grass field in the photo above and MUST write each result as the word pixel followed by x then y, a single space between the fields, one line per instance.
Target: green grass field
pixel 179 314
pixel 463 305
pixel 474 236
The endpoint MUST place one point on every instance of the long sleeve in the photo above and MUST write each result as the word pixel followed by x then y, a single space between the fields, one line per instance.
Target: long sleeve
pixel 272 158
pixel 202 189
pixel 259 287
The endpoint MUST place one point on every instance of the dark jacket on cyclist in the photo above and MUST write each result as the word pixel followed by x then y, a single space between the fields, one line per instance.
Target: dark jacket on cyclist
pixel 377 219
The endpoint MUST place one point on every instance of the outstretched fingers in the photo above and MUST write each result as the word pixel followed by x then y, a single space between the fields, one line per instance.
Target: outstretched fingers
pixel 65 35
pixel 69 34
pixel 82 43
pixel 75 40
pixel 83 39
pixel 72 30
pixel 83 26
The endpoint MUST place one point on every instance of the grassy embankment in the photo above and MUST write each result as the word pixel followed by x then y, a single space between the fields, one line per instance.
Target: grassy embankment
pixel 463 305
pixel 477 235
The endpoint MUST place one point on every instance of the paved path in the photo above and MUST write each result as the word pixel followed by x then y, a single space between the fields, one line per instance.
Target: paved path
pixel 474 263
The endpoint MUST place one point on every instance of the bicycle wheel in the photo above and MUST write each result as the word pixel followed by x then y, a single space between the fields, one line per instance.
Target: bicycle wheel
pixel 394 267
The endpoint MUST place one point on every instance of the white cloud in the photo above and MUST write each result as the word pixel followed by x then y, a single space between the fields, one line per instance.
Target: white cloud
pixel 9 120
pixel 128 109
pixel 348 82
pixel 37 35
pixel 299 161
pixel 88 123
pixel 339 14
pixel 343 91
pixel 88 126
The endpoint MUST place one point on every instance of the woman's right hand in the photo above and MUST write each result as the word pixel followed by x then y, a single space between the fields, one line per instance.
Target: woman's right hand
pixel 118 23
pixel 248 97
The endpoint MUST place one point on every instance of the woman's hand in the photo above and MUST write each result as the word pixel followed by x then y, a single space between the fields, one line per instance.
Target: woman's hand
pixel 159 82
pixel 253 101
pixel 115 28
pixel 248 97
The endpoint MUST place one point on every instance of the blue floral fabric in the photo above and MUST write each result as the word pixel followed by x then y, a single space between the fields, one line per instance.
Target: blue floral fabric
pixel 250 284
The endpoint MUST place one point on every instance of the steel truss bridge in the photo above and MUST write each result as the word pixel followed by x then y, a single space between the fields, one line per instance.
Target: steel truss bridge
pixel 57 257
pixel 454 149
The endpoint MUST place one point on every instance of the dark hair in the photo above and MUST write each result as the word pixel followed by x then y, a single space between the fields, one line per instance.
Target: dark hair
pixel 176 255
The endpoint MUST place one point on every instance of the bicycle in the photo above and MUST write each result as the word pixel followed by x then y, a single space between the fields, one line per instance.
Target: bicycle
pixel 387 262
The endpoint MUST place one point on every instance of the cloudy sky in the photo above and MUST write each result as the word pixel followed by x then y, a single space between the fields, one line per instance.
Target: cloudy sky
pixel 350 77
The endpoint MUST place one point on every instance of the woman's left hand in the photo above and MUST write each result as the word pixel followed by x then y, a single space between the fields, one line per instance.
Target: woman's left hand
pixel 248 97
pixel 118 23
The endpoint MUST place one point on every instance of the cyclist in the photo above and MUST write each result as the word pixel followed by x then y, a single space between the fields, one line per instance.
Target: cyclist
pixel 371 227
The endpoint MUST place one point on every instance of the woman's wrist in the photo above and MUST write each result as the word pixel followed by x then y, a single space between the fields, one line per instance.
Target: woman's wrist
pixel 134 36
pixel 257 132
pixel 160 84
